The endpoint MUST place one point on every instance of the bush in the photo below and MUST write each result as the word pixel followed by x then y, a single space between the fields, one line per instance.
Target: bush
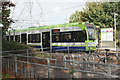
pixel 12 45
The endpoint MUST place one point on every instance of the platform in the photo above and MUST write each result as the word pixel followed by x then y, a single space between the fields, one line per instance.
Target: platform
pixel 111 48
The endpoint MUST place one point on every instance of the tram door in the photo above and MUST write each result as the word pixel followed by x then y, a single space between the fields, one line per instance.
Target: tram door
pixel 24 38
pixel 46 39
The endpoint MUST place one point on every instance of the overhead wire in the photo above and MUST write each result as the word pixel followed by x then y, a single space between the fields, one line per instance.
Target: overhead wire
pixel 18 21
pixel 20 15
pixel 14 8
pixel 53 12
pixel 41 14
pixel 30 9
pixel 63 9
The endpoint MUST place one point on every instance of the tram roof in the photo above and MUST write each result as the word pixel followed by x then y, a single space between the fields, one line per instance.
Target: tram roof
pixel 48 27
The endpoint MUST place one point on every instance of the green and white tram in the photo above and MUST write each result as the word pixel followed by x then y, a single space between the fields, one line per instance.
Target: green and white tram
pixel 76 36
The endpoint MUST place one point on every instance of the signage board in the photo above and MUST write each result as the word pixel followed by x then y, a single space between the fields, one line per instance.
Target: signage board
pixel 107 34
pixel 55 30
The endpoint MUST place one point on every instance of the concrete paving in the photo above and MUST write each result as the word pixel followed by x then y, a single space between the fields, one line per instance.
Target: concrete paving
pixel 111 48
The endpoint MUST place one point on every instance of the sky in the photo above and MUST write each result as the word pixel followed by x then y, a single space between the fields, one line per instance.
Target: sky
pixel 34 13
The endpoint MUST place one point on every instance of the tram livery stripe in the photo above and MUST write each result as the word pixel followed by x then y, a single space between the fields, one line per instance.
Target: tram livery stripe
pixel 70 48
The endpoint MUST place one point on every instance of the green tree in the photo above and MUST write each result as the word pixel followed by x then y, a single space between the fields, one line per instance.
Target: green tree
pixel 75 17
pixel 6 21
pixel 118 25
pixel 99 13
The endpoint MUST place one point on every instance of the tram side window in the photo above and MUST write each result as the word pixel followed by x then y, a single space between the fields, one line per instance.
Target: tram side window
pixel 56 37
pixel 72 36
pixel 66 36
pixel 17 38
pixel 79 36
pixel 34 38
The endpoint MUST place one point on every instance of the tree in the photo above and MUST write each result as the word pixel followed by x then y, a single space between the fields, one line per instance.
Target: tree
pixel 118 25
pixel 75 17
pixel 6 21
pixel 99 13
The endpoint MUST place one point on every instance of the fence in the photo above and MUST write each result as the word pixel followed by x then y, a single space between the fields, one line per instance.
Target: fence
pixel 28 65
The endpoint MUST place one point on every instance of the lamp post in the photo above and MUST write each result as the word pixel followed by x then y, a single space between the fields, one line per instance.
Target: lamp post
pixel 115 26
pixel 1 37
pixel 115 14
pixel 1 50
pixel 9 33
pixel 9 30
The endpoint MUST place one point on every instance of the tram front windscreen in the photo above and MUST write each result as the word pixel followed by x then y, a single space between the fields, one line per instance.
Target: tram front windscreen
pixel 91 31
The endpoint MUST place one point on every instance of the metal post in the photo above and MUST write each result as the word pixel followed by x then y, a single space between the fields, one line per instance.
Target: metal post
pixel 65 60
pixel 48 64
pixel 25 71
pixel 1 50
pixel 68 50
pixel 16 65
pixel 41 43
pixel 117 51
pixel 85 65
pixel 20 37
pixel 8 64
pixel 14 35
pixel 70 59
pixel 34 71
pixel 30 73
pixel 115 27
pixel 9 35
pixel 55 62
pixel 13 66
pixel 21 69
pixel 93 63
pixel 73 61
pixel 51 44
pixel 10 67
pixel 27 38
pixel 109 71
pixel 89 49
pixel 27 56
pixel 79 58
pixel 117 55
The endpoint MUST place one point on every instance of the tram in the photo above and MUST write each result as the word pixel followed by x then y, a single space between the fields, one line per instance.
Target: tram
pixel 76 36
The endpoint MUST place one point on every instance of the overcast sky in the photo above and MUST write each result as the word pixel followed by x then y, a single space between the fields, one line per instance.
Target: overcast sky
pixel 49 12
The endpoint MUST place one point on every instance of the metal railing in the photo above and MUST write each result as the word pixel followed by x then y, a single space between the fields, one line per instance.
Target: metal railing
pixel 18 64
